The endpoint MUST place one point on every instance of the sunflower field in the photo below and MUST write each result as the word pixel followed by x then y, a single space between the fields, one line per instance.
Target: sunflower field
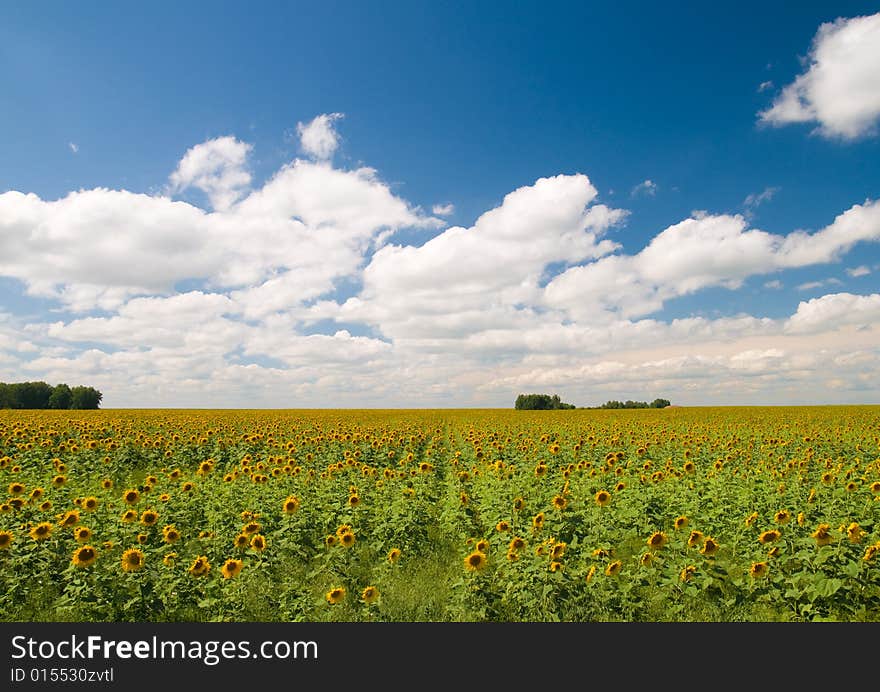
pixel 682 514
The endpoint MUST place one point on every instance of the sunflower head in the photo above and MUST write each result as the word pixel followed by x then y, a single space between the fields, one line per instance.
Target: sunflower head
pixel 680 523
pixel 759 570
pixel 6 538
pixel 84 556
pixel 769 536
pixel 170 534
pixel 90 504
pixel 82 533
pixel 131 496
pixel 132 560
pixel 258 542
pixel 370 594
pixel 656 540
pixel 559 502
pixel 393 555
pixel 603 498
pixel 475 561
pixel 200 566
pixel 291 505
pixel 41 531
pixel 710 547
pixel 231 568
pixel 149 517
pixel 612 569
pixel 347 540
pixel 335 595
pixel 695 539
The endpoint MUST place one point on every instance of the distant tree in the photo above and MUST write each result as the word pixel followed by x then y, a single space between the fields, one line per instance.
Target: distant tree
pixel 6 399
pixel 85 397
pixel 540 402
pixel 629 403
pixel 660 403
pixel 61 397
pixel 32 394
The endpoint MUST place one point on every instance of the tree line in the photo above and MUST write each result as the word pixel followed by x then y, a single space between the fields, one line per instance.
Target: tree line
pixel 547 402
pixel 40 395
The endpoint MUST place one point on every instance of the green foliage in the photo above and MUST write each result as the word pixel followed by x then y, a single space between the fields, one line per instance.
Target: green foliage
pixel 540 402
pixel 657 403
pixel 39 395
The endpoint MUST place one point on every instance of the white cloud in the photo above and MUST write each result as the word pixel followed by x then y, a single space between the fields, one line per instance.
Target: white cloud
pixel 699 252
pixel 646 187
pixel 858 271
pixel 764 86
pixel 832 311
pixel 841 88
pixel 217 168
pixel 444 209
pixel 318 138
pixel 810 285
pixel 73 147
pixel 774 284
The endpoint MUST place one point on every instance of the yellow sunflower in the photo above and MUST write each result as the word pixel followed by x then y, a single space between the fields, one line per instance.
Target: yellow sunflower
pixel 41 531
pixel 335 595
pixel 603 498
pixel 85 556
pixel 475 561
pixel 231 568
pixel 132 560
pixel 370 594
pixel 759 570
pixel 393 555
pixel 613 568
pixel 6 538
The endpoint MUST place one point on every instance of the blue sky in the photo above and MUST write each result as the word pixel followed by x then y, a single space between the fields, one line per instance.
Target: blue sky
pixel 441 204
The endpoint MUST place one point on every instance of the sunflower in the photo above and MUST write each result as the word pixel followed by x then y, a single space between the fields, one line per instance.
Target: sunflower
pixel 291 504
pixel 82 533
pixel 557 551
pixel 475 561
pixel 15 488
pixel 854 533
pixel 559 502
pixel 231 568
pixel 6 538
pixel 827 478
pixel 90 504
pixel 169 559
pixel 335 595
pixel 751 519
pixel 620 486
pixel 258 542
pixel 128 516
pixel 393 555
pixel 132 560
pixel 200 566
pixel 812 496
pixel 187 486
pixel 822 535
pixel 518 504
pixel 710 547
pixel 347 540
pixel 613 568
pixel 516 543
pixel 205 468
pixel 242 540
pixel 59 480
pixel 871 552
pixel 36 494
pixel 251 528
pixel 170 534
pixel 106 484
pixel 689 467
pixel 695 539
pixel 502 526
pixel 646 559
pixel 164 497
pixel 656 540
pixel 687 573
pixel 69 518
pixel 555 566
pixel 680 523
pixel 353 500
pixel 538 520
pixel 875 487
pixel 769 536
pixel 84 556
pixel 45 505
pixel 41 531
pixel 773 552
pixel 603 498
pixel 142 538
pixel 329 541
pixel 540 470
pixel 131 496
pixel 149 517
pixel 759 570
pixel 370 594
pixel 590 573
pixel 482 545
pixel 512 556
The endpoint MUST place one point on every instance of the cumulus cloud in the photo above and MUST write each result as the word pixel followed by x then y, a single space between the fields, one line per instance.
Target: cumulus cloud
pixel 298 290
pixel 840 90
pixel 73 147
pixel 703 251
pixel 217 168
pixel 318 138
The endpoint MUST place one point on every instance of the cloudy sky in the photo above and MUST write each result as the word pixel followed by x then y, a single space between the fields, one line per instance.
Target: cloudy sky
pixel 421 204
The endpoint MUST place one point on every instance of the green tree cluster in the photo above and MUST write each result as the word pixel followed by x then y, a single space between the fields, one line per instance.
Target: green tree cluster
pixel 540 402
pixel 40 395
pixel 657 403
